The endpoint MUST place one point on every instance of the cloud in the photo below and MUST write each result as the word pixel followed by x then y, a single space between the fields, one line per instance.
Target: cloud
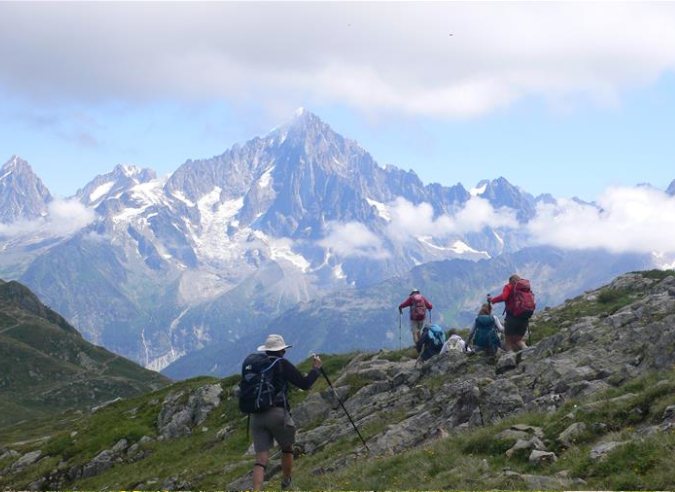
pixel 409 221
pixel 626 219
pixel 353 239
pixel 64 218
pixel 449 59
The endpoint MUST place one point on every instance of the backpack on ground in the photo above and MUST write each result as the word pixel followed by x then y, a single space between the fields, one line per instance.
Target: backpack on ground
pixel 418 307
pixel 523 299
pixel 455 344
pixel 436 336
pixel 486 336
pixel 258 387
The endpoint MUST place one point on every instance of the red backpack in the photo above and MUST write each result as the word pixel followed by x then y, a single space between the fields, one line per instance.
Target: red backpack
pixel 523 299
pixel 418 308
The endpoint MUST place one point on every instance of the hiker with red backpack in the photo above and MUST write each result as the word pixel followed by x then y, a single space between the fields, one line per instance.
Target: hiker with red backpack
pixel 418 312
pixel 519 307
pixel 264 395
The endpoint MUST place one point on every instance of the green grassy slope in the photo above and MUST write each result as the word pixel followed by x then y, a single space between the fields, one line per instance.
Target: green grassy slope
pixel 47 367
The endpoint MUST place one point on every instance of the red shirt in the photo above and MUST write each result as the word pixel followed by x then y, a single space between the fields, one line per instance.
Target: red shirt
pixel 408 302
pixel 505 297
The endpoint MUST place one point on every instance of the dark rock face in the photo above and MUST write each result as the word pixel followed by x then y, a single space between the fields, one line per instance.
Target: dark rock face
pixel 23 196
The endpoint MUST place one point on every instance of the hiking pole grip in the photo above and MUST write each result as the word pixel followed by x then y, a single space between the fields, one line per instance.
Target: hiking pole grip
pixel 343 408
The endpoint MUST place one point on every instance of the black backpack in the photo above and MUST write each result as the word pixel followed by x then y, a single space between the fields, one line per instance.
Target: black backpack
pixel 259 387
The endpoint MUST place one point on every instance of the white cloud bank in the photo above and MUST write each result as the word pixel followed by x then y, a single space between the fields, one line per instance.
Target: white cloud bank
pixel 627 219
pixel 64 217
pixel 452 59
pixel 409 222
pixel 353 239
pixel 623 220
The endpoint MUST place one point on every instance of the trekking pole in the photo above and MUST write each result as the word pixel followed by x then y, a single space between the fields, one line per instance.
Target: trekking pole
pixel 343 408
pixel 400 329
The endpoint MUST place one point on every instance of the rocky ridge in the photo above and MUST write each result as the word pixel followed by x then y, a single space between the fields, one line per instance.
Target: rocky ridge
pixel 598 383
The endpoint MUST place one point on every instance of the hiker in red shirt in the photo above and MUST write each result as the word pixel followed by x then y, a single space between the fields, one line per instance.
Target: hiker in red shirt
pixel 418 312
pixel 519 306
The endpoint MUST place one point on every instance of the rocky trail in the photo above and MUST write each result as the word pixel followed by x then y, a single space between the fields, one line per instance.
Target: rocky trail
pixel 600 383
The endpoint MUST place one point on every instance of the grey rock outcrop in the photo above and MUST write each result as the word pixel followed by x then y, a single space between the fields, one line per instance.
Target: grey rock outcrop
pixel 568 436
pixel 538 457
pixel 182 411
pixel 25 461
pixel 600 451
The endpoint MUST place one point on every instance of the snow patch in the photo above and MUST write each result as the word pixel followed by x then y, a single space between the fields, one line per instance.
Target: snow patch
pixel 6 174
pixel 182 198
pixel 282 249
pixel 382 209
pixel 499 238
pixel 338 272
pixel 101 191
pixel 130 170
pixel 147 194
pixel 266 178
pixel 212 240
pixel 478 190
pixel 461 248
pixel 458 247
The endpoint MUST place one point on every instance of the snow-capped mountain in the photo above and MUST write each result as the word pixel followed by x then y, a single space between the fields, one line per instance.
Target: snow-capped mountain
pixel 226 244
pixel 23 196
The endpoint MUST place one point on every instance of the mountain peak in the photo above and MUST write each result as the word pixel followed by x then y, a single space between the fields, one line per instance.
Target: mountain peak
pixel 16 163
pixel 671 188
pixel 22 193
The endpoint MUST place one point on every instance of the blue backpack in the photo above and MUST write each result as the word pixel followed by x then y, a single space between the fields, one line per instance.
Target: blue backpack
pixel 486 336
pixel 436 336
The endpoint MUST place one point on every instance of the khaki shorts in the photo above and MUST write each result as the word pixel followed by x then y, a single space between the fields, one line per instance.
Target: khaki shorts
pixel 416 326
pixel 272 424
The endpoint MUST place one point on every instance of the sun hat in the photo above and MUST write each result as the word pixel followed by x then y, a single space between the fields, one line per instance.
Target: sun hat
pixel 274 343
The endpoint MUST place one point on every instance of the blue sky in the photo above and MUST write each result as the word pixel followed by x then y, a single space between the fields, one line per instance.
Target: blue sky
pixel 565 116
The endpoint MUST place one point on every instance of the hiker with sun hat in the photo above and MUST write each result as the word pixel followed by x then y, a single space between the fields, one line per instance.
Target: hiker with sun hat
pixel 264 396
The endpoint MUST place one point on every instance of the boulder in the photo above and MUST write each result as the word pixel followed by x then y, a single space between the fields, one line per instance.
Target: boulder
pixel 523 447
pixel 120 447
pixel 601 451
pixel 569 436
pixel 506 362
pixel 102 462
pixel 25 461
pixel 538 457
pixel 520 431
pixel 500 399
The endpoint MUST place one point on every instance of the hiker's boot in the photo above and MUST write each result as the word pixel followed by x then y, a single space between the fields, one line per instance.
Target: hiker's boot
pixel 287 483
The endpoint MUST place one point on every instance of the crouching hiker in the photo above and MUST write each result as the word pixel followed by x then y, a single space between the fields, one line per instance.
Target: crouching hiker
pixel 264 395
pixel 454 342
pixel 484 336
pixel 430 343
pixel 418 305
